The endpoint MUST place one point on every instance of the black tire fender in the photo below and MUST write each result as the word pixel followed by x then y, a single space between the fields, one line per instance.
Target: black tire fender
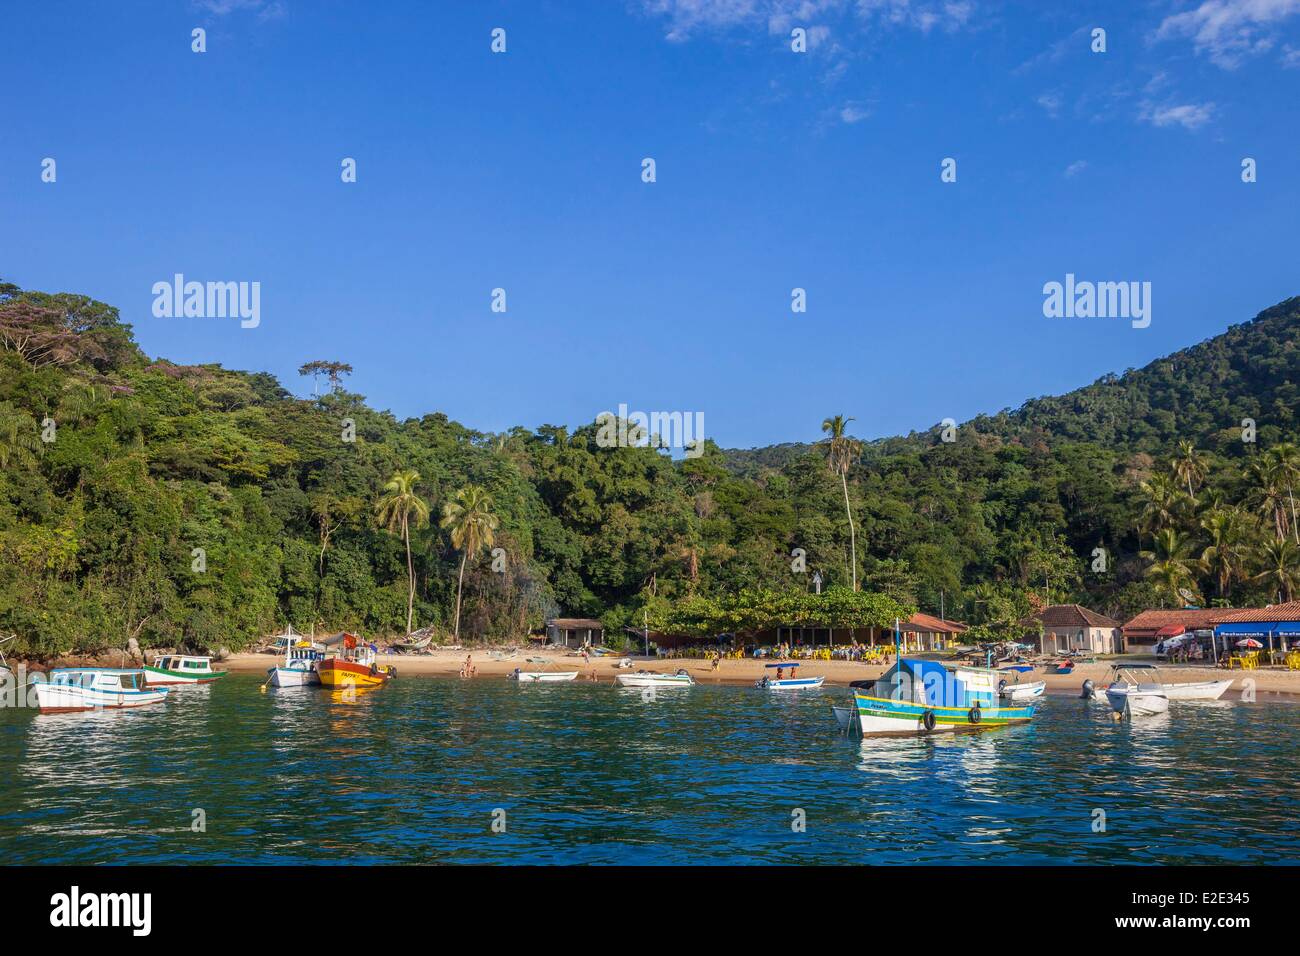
pixel 927 720
pixel 974 715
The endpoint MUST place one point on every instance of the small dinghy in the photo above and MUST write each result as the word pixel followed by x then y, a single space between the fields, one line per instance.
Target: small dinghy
pixel 542 677
pixel 1021 690
pixel 652 679
pixel 844 716
pixel 781 682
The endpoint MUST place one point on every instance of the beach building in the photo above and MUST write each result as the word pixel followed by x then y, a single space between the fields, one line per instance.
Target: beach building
pixel 1276 627
pixel 919 633
pixel 1148 628
pixel 1062 628
pixel 925 632
pixel 574 631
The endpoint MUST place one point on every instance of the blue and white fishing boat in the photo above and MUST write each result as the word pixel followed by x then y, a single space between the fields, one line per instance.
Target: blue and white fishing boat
pixel 920 696
pixel 71 689
pixel 927 696
pixel 769 682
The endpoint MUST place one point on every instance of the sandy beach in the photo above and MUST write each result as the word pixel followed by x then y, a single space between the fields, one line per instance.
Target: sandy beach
pixel 447 663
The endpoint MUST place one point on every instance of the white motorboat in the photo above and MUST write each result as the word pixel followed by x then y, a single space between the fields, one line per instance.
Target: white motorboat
pixel 1022 690
pixel 93 688
pixel 652 679
pixel 1131 696
pixel 1151 674
pixel 1138 700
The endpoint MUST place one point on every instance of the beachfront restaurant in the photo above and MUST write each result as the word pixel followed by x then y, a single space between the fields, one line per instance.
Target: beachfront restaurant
pixel 1276 628
pixel 920 633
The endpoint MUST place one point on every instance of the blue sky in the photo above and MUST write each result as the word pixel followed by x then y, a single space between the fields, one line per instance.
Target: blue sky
pixel 775 170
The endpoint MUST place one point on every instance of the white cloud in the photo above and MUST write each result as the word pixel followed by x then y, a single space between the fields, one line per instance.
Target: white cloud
pixel 1228 31
pixel 853 112
pixel 1188 115
pixel 687 17
pixel 1076 167
pixel 265 9
pixel 1051 102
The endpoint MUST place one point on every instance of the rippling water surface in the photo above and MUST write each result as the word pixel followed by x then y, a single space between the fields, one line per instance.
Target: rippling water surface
pixel 413 772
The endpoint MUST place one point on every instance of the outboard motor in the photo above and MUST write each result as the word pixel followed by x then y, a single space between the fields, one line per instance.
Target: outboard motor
pixel 1088 688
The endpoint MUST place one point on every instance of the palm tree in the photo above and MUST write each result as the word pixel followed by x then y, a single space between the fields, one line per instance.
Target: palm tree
pixel 1163 503
pixel 1287 457
pixel 1270 484
pixel 397 510
pixel 843 451
pixel 1171 566
pixel 1189 466
pixel 19 443
pixel 470 519
pixel 1221 559
pixel 1279 563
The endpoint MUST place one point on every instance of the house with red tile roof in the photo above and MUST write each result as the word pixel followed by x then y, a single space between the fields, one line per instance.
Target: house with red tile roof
pixel 1060 628
pixel 1150 627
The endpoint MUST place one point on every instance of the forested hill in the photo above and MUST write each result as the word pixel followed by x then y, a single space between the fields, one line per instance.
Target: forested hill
pixel 199 506
pixel 1200 394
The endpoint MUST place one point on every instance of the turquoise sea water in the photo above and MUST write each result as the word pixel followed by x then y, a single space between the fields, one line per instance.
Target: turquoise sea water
pixel 419 770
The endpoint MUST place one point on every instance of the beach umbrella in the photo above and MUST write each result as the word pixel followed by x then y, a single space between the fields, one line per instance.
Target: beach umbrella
pixel 1249 642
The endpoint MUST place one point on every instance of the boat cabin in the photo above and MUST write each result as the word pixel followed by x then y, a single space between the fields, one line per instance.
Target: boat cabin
pixel 183 664
pixel 98 678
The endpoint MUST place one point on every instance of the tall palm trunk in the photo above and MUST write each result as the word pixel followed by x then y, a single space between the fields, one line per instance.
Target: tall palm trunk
pixel 1295 525
pixel 460 582
pixel 410 575
pixel 853 546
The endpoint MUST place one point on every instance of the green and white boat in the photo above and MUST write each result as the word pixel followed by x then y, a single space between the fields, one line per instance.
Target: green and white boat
pixel 180 669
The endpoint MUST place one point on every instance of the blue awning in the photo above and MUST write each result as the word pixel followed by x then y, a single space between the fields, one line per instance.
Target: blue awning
pixel 1257 629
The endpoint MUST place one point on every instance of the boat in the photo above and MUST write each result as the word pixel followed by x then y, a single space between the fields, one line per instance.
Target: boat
pixel 843 716
pixel 6 672
pixel 787 683
pixel 70 689
pixel 652 679
pixel 355 667
pixel 1063 667
pixel 1021 690
pixel 299 667
pixel 542 677
pixel 1137 699
pixel 1151 674
pixel 180 669
pixel 922 696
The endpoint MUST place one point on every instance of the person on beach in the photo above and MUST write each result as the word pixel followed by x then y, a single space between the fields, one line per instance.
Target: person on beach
pixel 717 660
pixel 468 669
